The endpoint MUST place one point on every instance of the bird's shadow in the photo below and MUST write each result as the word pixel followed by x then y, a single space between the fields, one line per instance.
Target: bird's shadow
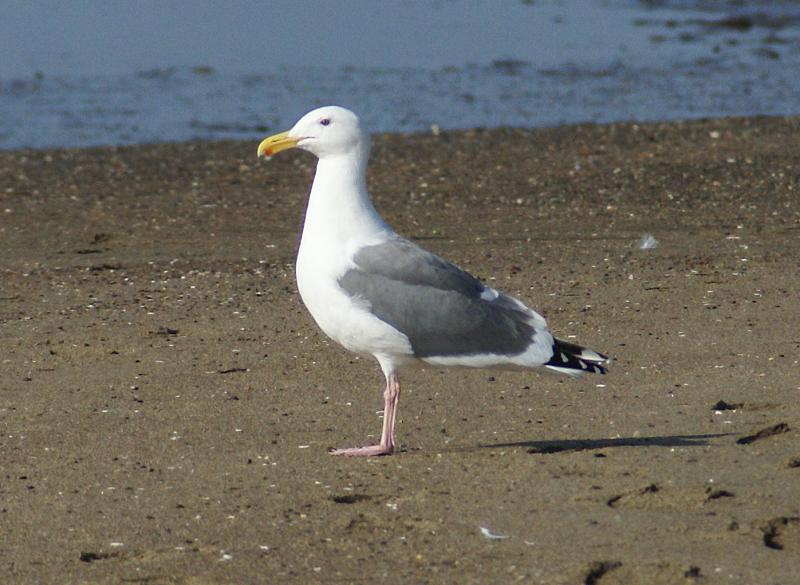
pixel 561 445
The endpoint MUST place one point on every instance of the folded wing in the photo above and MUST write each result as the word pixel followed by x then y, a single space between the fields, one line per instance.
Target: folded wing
pixel 443 310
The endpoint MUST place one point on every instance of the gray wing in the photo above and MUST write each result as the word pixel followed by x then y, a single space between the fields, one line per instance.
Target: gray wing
pixel 434 303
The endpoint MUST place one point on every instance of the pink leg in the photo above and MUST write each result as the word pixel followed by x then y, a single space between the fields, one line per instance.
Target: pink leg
pixel 390 398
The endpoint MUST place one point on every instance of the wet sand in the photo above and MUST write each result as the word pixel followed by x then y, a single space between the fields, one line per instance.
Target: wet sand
pixel 167 404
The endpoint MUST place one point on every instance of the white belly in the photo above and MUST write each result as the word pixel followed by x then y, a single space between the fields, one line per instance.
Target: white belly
pixel 344 320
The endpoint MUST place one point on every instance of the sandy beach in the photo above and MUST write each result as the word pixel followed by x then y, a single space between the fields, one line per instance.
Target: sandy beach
pixel 167 404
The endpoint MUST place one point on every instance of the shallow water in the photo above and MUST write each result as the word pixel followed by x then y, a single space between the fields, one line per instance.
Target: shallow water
pixel 179 71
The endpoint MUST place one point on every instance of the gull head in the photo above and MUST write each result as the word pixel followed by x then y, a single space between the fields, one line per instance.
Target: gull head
pixel 325 132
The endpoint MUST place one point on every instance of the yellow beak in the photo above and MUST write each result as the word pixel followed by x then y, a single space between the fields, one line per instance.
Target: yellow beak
pixel 275 144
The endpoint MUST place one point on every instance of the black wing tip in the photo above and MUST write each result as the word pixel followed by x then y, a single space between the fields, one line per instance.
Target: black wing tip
pixel 574 357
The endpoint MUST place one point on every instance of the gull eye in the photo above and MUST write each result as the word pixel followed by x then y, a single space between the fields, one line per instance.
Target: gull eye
pixel 325 121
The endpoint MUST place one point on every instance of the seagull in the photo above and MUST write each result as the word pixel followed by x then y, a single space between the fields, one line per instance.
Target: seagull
pixel 377 293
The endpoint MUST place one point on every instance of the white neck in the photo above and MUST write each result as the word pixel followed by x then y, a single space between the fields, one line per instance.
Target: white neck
pixel 339 209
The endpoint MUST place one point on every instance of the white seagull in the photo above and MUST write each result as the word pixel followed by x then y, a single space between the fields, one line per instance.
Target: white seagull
pixel 379 294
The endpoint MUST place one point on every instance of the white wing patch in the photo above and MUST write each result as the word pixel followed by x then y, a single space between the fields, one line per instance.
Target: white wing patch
pixel 489 294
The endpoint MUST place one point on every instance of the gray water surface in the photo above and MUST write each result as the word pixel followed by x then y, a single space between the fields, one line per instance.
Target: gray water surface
pixel 91 72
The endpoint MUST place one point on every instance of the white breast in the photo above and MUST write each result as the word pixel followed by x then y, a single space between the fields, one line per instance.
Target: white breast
pixel 320 264
pixel 339 220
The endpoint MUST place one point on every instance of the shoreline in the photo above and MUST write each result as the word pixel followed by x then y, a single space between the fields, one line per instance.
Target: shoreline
pixel 789 118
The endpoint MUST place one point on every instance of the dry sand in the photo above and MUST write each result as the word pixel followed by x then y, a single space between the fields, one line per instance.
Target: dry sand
pixel 166 403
